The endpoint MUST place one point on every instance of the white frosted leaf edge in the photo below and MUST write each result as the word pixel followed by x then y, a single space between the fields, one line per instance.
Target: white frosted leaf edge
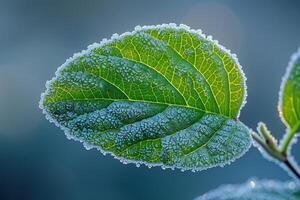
pixel 229 191
pixel 292 61
pixel 115 37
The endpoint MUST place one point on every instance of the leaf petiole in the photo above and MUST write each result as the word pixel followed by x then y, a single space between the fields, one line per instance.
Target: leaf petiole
pixel 284 146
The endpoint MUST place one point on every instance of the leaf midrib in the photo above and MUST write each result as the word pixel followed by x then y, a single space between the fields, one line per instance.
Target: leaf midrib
pixel 143 101
pixel 146 101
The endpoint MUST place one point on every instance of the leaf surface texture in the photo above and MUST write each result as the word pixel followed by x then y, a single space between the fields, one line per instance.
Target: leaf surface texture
pixel 255 190
pixel 161 95
pixel 289 100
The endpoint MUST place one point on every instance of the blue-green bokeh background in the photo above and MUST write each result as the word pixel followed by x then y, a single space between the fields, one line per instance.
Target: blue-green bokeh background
pixel 36 36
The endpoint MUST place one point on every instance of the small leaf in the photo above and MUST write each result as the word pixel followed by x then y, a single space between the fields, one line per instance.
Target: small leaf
pixel 255 190
pixel 289 98
pixel 161 95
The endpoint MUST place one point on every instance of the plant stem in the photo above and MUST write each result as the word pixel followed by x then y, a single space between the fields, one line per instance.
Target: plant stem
pixel 292 168
pixel 287 140
pixel 277 153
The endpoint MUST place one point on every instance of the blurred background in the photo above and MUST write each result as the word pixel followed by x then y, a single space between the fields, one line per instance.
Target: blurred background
pixel 36 36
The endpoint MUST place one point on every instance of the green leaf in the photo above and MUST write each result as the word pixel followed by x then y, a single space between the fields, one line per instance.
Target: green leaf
pixel 161 95
pixel 255 190
pixel 289 98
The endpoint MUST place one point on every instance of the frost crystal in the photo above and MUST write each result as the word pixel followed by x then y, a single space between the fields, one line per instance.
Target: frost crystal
pixel 162 95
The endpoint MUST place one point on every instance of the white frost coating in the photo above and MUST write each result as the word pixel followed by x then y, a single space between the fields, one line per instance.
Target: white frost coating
pixel 262 124
pixel 292 159
pixel 234 191
pixel 209 38
pixel 162 26
pixel 127 161
pixel 119 37
pixel 267 156
pixel 293 59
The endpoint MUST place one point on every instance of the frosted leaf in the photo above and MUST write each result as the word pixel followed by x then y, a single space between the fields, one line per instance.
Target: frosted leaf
pixel 289 97
pixel 255 190
pixel 161 95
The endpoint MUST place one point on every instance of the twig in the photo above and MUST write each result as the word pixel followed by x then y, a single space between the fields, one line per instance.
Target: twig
pixel 272 149
pixel 292 168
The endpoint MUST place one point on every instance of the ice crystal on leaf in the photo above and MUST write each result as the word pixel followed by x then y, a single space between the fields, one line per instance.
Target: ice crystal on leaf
pixel 161 95
pixel 255 190
pixel 289 95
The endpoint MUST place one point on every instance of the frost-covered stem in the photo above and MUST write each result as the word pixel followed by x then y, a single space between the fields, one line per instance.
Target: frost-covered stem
pixel 284 146
pixel 273 153
pixel 271 148
pixel 292 168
